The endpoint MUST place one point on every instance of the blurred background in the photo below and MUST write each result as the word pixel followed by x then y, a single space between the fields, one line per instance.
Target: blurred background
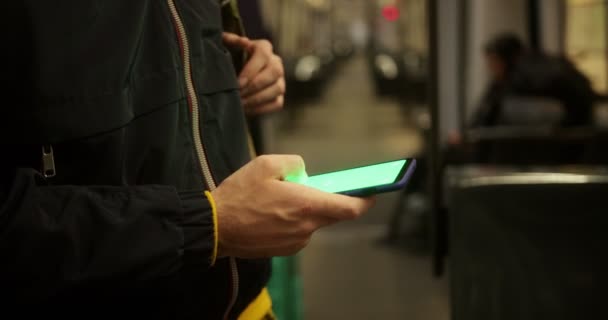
pixel 503 103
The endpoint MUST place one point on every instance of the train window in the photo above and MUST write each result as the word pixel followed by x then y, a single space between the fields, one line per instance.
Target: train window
pixel 586 39
pixel 399 25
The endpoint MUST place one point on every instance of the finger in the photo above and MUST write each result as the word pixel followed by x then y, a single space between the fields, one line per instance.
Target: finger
pixel 266 77
pixel 267 95
pixel 236 41
pixel 280 166
pixel 291 250
pixel 260 57
pixel 346 208
pixel 272 106
pixel 332 205
pixel 292 164
pixel 322 222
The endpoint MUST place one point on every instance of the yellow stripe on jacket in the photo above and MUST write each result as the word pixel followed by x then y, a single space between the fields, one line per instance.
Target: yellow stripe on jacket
pixel 259 309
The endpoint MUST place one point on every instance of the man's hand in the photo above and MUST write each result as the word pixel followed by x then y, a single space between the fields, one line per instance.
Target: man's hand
pixel 260 215
pixel 262 79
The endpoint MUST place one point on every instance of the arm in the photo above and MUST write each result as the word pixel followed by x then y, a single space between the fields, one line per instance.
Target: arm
pixel 260 215
pixel 54 237
pixel 489 108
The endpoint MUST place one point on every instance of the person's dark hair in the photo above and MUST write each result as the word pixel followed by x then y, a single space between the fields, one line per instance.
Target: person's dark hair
pixel 508 47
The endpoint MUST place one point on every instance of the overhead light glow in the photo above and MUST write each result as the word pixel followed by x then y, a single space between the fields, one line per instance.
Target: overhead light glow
pixel 391 12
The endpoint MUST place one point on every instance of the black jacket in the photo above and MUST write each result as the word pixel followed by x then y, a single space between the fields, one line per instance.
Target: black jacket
pixel 123 227
pixel 540 75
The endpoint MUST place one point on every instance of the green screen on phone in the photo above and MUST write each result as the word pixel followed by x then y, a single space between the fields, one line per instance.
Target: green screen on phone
pixel 354 179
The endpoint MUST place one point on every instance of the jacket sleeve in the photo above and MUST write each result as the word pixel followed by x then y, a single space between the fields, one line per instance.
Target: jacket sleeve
pixel 55 237
pixel 489 108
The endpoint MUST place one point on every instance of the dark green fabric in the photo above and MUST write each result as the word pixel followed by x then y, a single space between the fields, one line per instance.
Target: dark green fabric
pixel 124 227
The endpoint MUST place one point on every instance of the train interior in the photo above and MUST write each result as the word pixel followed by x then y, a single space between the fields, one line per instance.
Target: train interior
pixel 503 219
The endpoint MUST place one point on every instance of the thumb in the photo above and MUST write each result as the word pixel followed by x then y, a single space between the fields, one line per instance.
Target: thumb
pixel 278 167
pixel 291 166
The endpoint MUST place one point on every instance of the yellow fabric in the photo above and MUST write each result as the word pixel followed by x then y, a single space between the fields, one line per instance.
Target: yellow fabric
pixel 259 309
pixel 215 231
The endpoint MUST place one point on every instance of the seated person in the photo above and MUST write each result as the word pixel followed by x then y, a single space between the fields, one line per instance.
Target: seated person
pixel 521 80
pixel 517 71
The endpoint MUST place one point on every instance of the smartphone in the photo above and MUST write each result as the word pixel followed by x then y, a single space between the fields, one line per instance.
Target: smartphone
pixel 362 181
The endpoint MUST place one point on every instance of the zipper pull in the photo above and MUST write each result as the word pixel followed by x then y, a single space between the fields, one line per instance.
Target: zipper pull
pixel 48 161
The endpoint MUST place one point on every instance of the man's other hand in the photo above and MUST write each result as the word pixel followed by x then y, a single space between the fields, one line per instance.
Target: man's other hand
pixel 260 215
pixel 262 80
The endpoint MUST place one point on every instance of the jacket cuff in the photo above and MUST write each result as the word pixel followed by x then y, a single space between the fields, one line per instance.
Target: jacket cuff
pixel 216 238
pixel 199 226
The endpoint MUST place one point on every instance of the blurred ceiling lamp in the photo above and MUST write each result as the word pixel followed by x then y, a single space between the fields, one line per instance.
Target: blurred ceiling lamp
pixel 307 68
pixel 387 66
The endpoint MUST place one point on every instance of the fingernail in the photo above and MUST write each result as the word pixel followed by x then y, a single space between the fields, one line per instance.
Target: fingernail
pixel 243 82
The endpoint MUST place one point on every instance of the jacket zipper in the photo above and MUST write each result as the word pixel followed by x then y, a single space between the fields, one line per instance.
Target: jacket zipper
pixel 48 161
pixel 196 133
